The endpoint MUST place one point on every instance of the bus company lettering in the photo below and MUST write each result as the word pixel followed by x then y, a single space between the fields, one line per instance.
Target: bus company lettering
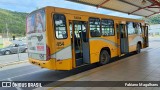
pixel 77 17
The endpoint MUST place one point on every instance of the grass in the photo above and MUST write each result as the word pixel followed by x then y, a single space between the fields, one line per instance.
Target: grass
pixel 157 36
pixel 1 45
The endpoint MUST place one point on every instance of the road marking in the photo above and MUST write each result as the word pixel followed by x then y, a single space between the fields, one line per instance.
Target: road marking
pixel 18 88
pixel 22 75
pixel 12 63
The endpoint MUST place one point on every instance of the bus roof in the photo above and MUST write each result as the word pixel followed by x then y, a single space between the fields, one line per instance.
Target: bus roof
pixel 84 13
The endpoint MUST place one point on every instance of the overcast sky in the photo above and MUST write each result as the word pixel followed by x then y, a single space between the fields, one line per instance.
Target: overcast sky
pixel 30 5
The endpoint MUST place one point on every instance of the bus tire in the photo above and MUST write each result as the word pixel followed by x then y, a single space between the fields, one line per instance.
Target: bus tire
pixel 138 50
pixel 104 57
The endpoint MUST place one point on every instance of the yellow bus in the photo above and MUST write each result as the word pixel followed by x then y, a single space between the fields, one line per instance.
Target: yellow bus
pixel 64 39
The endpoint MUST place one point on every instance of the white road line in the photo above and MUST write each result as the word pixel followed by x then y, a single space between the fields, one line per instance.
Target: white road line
pixel 21 75
pixel 18 88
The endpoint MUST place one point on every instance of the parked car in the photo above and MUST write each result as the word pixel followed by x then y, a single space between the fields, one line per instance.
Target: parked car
pixel 13 49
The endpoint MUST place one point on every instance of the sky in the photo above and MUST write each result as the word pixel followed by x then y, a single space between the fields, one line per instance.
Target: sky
pixel 30 5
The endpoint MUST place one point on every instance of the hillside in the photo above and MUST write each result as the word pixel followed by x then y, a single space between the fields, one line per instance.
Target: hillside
pixel 14 21
pixel 153 19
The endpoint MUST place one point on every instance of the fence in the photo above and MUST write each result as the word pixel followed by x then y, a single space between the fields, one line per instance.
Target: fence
pixel 16 57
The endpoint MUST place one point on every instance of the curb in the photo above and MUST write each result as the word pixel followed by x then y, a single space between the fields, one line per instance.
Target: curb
pixel 12 63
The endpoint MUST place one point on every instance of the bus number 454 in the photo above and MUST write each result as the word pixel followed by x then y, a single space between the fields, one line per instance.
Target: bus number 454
pixel 60 43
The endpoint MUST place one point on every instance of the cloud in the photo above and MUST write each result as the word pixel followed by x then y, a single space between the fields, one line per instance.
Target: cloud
pixel 17 5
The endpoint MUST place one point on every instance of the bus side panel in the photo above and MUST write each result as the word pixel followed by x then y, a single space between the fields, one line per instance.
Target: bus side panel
pixel 59 48
pixel 50 37
pixel 63 55
pixel 133 40
pixel 96 45
pixel 64 64
pixel 63 50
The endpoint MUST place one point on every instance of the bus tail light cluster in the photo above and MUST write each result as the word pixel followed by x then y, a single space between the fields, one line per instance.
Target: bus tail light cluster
pixel 48 54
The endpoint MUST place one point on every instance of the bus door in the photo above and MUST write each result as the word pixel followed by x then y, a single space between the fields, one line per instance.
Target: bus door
pixel 80 42
pixel 124 46
pixel 145 33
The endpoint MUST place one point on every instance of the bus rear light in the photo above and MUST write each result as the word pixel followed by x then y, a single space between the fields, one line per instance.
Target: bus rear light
pixel 48 54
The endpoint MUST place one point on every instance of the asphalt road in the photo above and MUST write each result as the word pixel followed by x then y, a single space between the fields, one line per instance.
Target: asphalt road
pixel 28 72
pixel 33 73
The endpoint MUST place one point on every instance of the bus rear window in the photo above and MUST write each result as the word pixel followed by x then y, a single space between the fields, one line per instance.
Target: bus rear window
pixel 36 22
pixel 60 26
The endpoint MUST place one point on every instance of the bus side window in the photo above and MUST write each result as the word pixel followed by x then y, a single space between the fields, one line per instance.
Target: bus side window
pixel 94 24
pixel 70 26
pixel 117 30
pixel 60 26
pixel 131 28
pixel 107 26
pixel 139 28
pixel 123 32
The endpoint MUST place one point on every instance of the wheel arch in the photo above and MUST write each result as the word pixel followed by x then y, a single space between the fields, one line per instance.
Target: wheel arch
pixel 107 49
pixel 107 56
pixel 139 42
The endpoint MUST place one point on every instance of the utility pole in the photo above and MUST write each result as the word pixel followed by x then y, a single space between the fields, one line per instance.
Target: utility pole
pixel 7 29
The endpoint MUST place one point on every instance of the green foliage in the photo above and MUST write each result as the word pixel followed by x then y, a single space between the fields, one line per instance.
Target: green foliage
pixel 1 46
pixel 14 21
pixel 153 19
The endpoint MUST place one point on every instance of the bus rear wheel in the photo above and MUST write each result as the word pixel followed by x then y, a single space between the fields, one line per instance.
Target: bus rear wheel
pixel 104 57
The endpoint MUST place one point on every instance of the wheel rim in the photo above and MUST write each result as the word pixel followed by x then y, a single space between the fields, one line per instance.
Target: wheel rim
pixel 7 53
pixel 138 49
pixel 104 58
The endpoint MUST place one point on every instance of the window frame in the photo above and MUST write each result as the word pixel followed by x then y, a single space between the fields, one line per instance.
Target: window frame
pixel 55 26
pixel 140 26
pixel 99 26
pixel 133 25
pixel 113 27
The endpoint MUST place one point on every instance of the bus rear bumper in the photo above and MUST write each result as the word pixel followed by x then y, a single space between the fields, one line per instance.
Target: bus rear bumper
pixel 50 64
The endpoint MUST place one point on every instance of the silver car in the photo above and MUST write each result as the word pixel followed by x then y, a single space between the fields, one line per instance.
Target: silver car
pixel 13 48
